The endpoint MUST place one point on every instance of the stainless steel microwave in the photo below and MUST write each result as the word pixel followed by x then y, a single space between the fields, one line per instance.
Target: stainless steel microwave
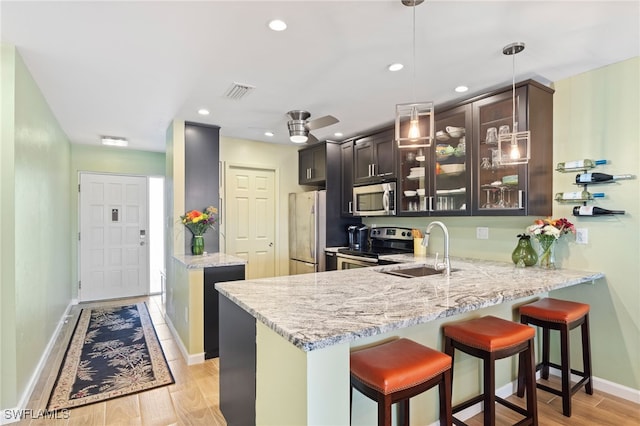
pixel 375 200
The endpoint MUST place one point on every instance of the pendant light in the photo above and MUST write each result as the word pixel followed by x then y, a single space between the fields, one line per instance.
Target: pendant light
pixel 414 121
pixel 515 147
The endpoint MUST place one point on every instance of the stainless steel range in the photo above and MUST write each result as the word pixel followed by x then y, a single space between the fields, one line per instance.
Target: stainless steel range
pixel 383 240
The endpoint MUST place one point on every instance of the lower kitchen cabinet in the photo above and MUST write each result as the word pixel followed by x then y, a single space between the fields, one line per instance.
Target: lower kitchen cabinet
pixel 211 311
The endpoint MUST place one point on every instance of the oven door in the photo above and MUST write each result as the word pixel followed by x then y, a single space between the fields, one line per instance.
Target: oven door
pixel 347 261
pixel 375 200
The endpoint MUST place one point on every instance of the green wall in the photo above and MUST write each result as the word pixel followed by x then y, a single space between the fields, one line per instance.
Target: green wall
pixel 35 227
pixel 595 116
pixel 102 159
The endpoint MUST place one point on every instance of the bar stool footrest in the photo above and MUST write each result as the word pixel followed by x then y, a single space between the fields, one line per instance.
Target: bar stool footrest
pixel 512 406
pixel 468 403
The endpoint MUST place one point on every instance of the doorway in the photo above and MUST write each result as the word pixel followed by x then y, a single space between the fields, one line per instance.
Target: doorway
pixel 251 218
pixel 113 246
pixel 156 235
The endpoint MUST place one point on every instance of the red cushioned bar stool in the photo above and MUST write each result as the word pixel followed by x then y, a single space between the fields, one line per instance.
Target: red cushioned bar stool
pixel 562 315
pixel 398 370
pixel 491 338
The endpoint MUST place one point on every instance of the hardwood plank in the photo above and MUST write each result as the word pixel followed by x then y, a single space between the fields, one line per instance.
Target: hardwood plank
pixel 156 407
pixel 88 415
pixel 123 411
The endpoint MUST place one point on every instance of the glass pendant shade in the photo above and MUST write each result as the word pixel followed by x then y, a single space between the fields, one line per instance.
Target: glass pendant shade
pixel 414 125
pixel 514 148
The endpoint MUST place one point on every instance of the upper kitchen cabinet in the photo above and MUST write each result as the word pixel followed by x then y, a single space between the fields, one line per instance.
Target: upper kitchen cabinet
pixel 513 190
pixel 374 158
pixel 436 180
pixel 312 165
pixel 460 175
pixel 346 178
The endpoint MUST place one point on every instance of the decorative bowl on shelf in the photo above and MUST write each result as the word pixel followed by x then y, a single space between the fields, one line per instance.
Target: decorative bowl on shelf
pixel 510 180
pixel 455 132
pixel 410 193
pixel 452 169
pixel 442 136
pixel 444 151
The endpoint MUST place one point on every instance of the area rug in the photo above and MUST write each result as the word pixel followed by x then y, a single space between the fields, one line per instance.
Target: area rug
pixel 113 352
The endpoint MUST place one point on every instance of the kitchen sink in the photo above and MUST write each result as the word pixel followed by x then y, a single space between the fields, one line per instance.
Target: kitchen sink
pixel 418 271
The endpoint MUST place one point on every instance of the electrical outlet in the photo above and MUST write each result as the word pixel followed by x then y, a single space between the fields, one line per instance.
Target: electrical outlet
pixel 482 233
pixel 582 236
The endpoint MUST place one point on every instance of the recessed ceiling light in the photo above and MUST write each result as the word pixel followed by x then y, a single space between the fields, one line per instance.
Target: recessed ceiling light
pixel 268 133
pixel 338 134
pixel 277 25
pixel 461 89
pixel 203 111
pixel 395 67
pixel 114 141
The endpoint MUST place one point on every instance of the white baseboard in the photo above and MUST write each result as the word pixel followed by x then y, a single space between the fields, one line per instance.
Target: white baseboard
pixel 509 389
pixel 606 386
pixel 190 359
pixel 11 415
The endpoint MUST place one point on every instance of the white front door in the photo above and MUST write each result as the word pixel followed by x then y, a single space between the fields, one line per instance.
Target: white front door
pixel 250 218
pixel 113 250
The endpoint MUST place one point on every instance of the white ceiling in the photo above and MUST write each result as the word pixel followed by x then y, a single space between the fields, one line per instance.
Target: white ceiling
pixel 128 68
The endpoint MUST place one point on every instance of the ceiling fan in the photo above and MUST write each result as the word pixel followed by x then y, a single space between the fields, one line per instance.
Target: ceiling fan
pixel 300 125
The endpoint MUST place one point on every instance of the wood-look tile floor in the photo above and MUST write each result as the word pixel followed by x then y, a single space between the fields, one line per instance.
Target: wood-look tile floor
pixel 194 398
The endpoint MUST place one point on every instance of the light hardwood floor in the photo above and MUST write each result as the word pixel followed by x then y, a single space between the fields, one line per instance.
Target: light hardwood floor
pixel 194 398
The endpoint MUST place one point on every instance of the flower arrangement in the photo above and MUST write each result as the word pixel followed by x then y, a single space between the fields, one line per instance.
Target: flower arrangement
pixel 199 222
pixel 546 232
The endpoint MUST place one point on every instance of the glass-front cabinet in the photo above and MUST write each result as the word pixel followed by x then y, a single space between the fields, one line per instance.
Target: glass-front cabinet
pixel 513 190
pixel 436 180
pixel 500 188
pixel 451 187
pixel 460 175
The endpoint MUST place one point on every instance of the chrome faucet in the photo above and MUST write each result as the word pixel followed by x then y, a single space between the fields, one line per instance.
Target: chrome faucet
pixel 446 264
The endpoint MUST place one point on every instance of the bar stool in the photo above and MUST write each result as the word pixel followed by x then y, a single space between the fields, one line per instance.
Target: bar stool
pixel 562 315
pixel 492 338
pixel 398 370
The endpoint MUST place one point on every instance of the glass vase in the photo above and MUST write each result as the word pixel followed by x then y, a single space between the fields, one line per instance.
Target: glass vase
pixel 547 259
pixel 197 245
pixel 524 254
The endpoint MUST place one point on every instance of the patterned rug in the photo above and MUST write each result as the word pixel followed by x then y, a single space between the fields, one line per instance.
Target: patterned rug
pixel 114 351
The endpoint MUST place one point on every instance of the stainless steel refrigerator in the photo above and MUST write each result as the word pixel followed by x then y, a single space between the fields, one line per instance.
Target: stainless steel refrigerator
pixel 307 231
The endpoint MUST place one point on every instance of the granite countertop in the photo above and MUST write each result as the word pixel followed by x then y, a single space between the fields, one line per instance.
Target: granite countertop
pixel 209 260
pixel 332 249
pixel 313 311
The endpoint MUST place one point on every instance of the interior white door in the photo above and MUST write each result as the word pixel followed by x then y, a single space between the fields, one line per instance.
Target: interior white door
pixel 113 250
pixel 250 219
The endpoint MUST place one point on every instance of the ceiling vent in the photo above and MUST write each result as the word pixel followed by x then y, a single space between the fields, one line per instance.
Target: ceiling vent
pixel 238 90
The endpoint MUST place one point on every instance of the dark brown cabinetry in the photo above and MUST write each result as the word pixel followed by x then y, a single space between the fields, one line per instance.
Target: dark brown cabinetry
pixel 211 311
pixel 514 190
pixel 312 165
pixel 437 180
pixel 346 178
pixel 374 158
pixel 459 174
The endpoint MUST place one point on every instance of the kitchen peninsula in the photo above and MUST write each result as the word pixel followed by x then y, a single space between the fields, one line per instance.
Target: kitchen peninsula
pixel 285 341
pixel 198 298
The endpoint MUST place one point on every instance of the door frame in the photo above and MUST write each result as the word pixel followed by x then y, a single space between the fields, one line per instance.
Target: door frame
pixel 79 222
pixel 226 166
